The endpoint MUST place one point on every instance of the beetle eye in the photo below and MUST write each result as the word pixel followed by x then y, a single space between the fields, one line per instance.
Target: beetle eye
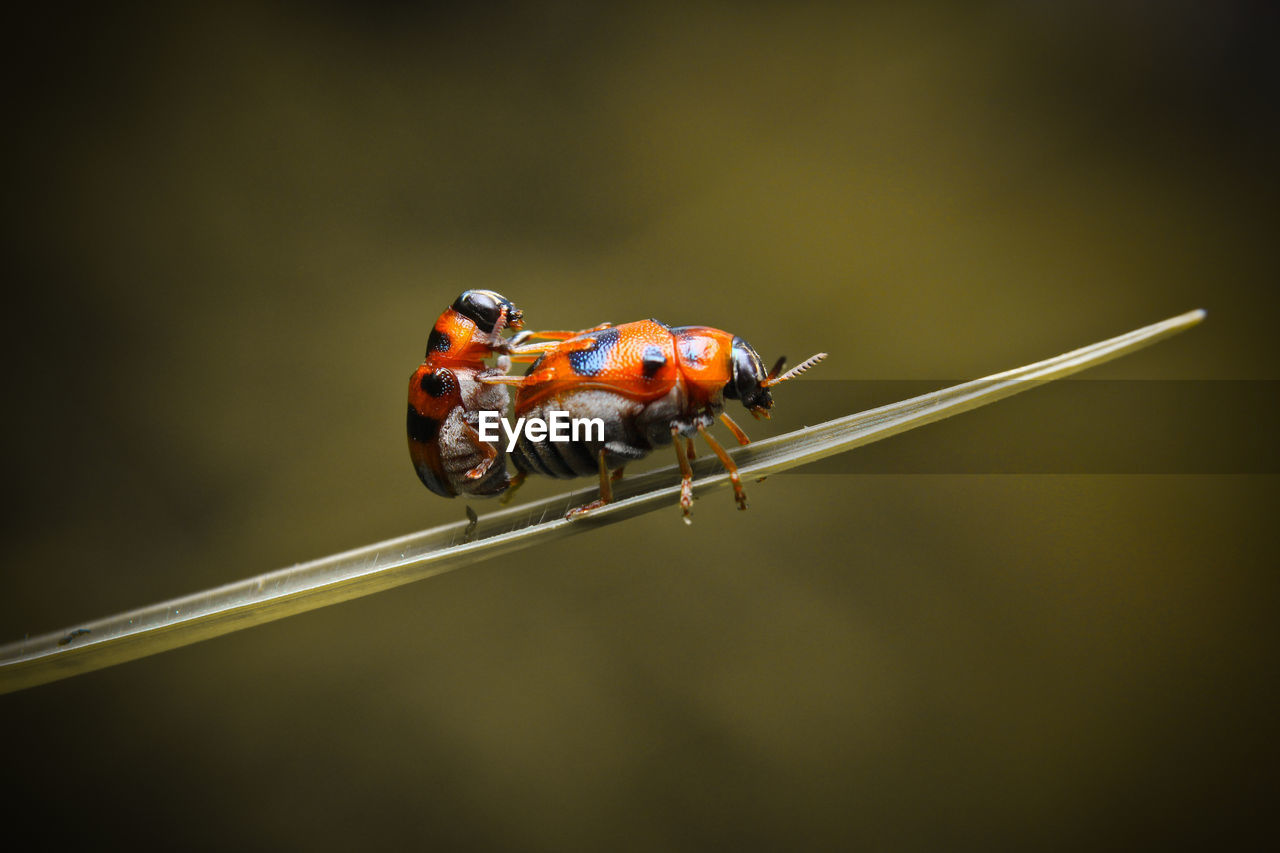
pixel 481 307
pixel 748 376
pixel 747 370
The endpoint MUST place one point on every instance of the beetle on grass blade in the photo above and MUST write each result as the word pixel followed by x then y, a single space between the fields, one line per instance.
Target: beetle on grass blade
pixel 652 385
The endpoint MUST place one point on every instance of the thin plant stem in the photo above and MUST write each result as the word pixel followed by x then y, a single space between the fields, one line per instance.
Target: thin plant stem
pixel 351 574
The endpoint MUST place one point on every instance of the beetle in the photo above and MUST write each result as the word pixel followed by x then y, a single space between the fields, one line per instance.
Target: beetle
pixel 449 390
pixel 446 394
pixel 651 384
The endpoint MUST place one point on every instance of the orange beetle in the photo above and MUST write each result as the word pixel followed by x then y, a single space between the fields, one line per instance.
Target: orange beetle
pixel 451 388
pixel 650 385
pixel 446 392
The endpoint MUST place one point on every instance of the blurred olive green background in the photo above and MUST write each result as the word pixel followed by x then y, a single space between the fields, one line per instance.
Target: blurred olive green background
pixel 232 226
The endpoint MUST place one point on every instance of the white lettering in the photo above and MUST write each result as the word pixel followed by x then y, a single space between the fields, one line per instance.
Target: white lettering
pixel 513 435
pixel 489 426
pixel 559 426
pixel 589 426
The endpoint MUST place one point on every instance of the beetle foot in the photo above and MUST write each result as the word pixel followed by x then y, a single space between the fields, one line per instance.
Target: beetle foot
pixel 579 511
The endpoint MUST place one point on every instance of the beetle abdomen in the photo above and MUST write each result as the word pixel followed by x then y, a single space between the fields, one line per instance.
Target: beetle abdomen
pixel 579 457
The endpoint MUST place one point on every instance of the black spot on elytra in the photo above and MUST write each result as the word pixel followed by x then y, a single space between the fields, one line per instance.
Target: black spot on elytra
pixel 422 428
pixel 592 361
pixel 438 341
pixel 652 360
pixel 438 383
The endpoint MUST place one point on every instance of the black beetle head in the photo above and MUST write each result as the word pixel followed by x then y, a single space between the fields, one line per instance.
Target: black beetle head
pixel 490 311
pixel 747 382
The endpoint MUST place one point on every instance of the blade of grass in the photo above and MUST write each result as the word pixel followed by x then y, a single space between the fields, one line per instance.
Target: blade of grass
pixel 306 586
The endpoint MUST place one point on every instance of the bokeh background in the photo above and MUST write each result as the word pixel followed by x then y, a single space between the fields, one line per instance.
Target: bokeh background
pixel 231 226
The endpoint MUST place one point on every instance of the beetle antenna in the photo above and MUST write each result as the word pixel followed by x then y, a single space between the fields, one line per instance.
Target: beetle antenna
pixel 777 368
pixel 774 378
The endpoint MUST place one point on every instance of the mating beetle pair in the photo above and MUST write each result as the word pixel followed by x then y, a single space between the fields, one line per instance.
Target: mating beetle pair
pixel 649 383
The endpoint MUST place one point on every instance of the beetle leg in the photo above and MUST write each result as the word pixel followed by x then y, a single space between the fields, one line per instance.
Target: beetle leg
pixel 606 493
pixel 490 453
pixel 527 352
pixel 686 474
pixel 523 352
pixel 514 483
pixel 500 380
pixel 738 434
pixel 515 348
pixel 606 482
pixel 688 447
pixel 728 465
pixel 560 335
pixel 735 429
